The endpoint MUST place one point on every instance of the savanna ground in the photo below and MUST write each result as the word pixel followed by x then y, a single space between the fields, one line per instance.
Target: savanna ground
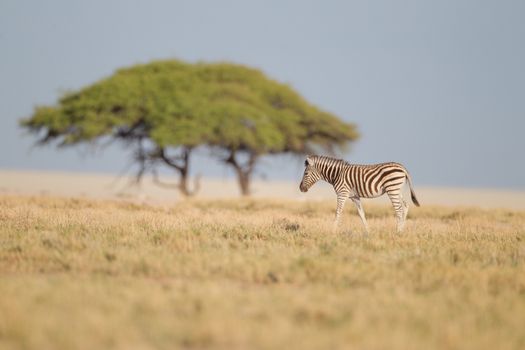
pixel 257 274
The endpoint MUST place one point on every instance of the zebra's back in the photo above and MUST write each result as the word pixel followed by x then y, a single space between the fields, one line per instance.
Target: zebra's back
pixel 373 180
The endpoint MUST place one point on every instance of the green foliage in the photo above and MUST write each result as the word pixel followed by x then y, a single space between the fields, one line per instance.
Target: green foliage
pixel 180 104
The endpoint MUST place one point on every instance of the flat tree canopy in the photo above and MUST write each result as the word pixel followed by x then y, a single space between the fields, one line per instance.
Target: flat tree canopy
pixel 165 109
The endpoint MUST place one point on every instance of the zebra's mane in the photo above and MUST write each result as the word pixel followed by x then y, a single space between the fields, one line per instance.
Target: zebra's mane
pixel 341 162
pixel 321 159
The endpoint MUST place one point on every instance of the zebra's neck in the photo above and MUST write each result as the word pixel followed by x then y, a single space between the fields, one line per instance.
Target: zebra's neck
pixel 330 169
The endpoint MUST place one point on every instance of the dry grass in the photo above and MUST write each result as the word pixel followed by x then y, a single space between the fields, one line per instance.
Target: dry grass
pixel 79 274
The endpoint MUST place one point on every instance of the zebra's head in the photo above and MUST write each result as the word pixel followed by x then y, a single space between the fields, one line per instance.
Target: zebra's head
pixel 311 174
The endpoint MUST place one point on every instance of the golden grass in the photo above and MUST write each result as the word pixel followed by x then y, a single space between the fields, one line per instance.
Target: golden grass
pixel 257 274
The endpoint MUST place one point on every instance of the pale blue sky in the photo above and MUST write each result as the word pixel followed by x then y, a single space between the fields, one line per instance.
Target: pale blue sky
pixel 436 85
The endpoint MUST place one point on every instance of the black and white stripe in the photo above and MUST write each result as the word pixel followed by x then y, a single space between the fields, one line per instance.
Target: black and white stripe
pixel 360 181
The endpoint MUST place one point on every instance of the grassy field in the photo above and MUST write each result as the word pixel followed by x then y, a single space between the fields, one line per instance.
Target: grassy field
pixel 241 274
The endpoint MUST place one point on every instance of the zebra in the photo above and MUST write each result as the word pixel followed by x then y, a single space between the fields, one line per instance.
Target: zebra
pixel 360 181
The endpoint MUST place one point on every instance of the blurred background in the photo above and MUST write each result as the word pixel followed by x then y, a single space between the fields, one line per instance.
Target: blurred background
pixel 436 85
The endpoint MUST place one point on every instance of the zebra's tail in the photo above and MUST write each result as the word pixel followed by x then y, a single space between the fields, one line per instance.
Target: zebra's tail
pixel 412 193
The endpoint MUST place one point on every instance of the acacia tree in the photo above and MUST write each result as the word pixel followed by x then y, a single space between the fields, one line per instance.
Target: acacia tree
pixel 255 116
pixel 166 109
pixel 146 107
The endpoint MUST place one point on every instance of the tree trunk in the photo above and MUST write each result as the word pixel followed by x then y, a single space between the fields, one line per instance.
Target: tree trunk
pixel 244 182
pixel 181 165
pixel 243 171
pixel 183 182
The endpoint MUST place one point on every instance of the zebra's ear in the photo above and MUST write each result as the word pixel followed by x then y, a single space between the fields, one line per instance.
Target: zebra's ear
pixel 308 161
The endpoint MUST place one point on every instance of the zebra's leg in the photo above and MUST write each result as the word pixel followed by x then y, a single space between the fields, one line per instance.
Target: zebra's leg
pixel 341 199
pixel 405 210
pixel 357 202
pixel 397 203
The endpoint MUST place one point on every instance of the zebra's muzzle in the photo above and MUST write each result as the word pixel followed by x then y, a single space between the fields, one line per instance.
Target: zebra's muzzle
pixel 303 188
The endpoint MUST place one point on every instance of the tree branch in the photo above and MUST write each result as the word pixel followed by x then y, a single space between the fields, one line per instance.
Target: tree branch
pixel 158 182
pixel 170 161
